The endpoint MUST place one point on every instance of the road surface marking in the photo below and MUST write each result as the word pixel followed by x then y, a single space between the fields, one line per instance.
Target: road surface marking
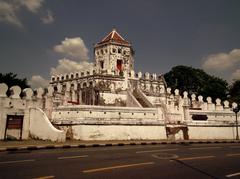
pixel 195 158
pixel 72 157
pixel 17 161
pixel 232 175
pixel 167 156
pixel 45 177
pixel 199 148
pixel 116 167
pixel 230 155
pixel 160 150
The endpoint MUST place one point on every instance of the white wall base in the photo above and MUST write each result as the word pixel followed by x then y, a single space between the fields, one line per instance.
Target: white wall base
pixel 209 132
pixel 118 132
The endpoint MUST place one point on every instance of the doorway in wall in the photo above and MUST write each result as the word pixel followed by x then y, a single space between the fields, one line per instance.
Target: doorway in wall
pixel 14 125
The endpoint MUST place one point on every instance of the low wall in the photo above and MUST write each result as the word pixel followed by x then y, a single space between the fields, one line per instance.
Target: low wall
pixel 118 132
pixel 41 128
pixel 87 114
pixel 212 132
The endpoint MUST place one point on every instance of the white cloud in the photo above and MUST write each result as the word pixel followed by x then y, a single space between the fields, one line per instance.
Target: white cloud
pixel 236 75
pixel 8 14
pixel 38 81
pixel 32 5
pixel 9 11
pixel 222 61
pixel 48 19
pixel 68 66
pixel 73 47
pixel 64 66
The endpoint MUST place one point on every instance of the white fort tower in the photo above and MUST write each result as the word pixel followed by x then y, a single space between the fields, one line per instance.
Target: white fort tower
pixel 112 81
pixel 114 53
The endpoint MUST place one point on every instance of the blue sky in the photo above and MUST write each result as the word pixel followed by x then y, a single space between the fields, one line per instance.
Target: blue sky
pixel 43 37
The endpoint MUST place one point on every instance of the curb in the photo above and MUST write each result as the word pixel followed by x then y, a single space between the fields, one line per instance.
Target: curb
pixel 67 146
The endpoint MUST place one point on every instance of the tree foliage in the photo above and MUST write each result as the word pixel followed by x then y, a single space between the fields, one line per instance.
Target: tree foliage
pixel 11 79
pixel 234 92
pixel 196 81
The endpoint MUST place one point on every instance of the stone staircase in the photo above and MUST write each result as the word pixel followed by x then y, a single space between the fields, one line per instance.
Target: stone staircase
pixel 142 99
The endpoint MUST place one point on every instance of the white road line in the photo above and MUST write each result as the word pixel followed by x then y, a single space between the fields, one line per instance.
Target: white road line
pixel 117 167
pixel 17 161
pixel 160 150
pixel 72 157
pixel 196 158
pixel 203 148
pixel 233 175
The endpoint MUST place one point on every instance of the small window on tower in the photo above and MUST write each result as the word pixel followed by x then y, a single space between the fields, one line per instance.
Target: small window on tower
pixel 102 51
pixel 114 50
pixel 106 51
pixel 119 50
pixel 101 64
pixel 119 65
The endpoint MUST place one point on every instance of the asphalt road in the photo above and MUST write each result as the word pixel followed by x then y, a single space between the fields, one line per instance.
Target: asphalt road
pixel 135 162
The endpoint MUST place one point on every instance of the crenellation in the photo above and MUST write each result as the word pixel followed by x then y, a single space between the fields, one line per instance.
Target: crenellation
pixel 234 105
pixel 139 75
pixel 169 90
pixel 28 93
pixel 200 99
pixel 154 75
pixel 40 93
pixel 176 92
pixel 185 95
pixel 3 90
pixel 209 100
pixel 50 91
pixel 226 104
pixel 15 92
pixel 146 76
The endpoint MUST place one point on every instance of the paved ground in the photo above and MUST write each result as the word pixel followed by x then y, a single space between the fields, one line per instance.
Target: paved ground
pixel 132 161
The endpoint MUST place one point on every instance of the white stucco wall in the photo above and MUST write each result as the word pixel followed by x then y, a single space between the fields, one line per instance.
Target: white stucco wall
pixel 86 114
pixel 41 128
pixel 209 132
pixel 118 132
pixel 111 98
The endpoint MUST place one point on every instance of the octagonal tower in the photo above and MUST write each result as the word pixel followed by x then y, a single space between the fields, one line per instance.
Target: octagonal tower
pixel 114 54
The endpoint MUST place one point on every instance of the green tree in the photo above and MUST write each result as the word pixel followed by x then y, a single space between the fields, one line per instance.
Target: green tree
pixel 215 87
pixel 11 79
pixel 196 81
pixel 234 92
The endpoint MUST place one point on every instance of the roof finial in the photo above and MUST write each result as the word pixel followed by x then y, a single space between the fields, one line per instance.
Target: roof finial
pixel 114 29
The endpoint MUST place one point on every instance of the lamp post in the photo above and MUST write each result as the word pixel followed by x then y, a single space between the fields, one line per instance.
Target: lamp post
pixel 236 110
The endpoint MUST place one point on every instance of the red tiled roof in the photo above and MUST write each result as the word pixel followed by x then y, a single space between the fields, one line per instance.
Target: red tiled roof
pixel 114 36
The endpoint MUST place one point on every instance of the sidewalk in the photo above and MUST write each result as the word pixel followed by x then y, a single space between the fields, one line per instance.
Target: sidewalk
pixel 39 144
